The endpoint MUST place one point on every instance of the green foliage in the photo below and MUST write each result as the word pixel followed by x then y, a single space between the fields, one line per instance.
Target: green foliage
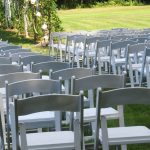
pixel 49 13
pixel 67 4
pixel 2 20
pixel 124 2
pixel 24 11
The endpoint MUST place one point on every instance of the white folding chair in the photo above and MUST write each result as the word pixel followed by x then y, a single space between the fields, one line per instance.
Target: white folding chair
pixel 91 83
pixel 120 135
pixel 134 58
pixel 47 140
pixel 30 88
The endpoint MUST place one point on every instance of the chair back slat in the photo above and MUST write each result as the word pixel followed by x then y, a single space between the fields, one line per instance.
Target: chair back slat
pixel 35 59
pixel 51 65
pixel 93 82
pixel 9 68
pixel 126 96
pixel 33 85
pixel 66 74
pixel 48 103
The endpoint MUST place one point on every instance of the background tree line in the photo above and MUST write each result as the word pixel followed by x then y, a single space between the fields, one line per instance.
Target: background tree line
pixel 89 3
pixel 38 18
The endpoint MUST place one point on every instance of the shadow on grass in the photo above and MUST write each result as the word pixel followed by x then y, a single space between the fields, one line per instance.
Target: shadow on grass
pixel 12 37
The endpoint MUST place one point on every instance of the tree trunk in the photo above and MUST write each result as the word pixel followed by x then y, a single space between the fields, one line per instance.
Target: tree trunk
pixel 25 20
pixel 7 13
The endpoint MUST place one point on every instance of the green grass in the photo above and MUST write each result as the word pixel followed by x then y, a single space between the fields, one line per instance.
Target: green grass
pixel 105 18
pixel 12 37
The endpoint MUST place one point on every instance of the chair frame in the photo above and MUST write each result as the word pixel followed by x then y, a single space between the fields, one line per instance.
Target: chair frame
pixel 111 98
pixel 48 103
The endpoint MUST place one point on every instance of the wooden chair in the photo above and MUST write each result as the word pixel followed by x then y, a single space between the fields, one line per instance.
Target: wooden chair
pixel 10 78
pixel 134 58
pixel 48 66
pixel 91 83
pixel 90 49
pixel 120 135
pixel 9 68
pixel 102 56
pixel 66 74
pixel 47 140
pixel 8 53
pixel 118 52
pixel 33 59
pixel 5 60
pixel 8 47
pixel 16 56
pixel 30 88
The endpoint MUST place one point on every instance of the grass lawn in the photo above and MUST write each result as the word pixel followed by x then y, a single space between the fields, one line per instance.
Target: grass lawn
pixel 100 18
pixel 105 18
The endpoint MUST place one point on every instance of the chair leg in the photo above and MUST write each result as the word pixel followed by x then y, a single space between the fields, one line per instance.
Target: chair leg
pixel 137 77
pixel 114 69
pixel 2 118
pixel 123 147
pixel 119 70
pixel 131 74
pixel 106 66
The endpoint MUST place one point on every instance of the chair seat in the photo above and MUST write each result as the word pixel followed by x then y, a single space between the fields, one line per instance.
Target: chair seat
pixel 90 113
pixel 3 91
pixel 120 61
pixel 45 77
pixel 127 135
pixel 105 59
pixel 14 63
pixel 91 53
pixel 139 55
pixel 53 45
pixel 62 47
pixel 35 117
pixel 78 51
pixel 136 66
pixel 50 140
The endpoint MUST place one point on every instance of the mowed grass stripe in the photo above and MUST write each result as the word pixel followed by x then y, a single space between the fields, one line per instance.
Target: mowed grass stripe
pixel 105 18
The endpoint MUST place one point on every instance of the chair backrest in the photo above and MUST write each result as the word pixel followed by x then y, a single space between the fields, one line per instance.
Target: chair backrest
pixel 17 76
pixel 135 49
pixel 50 65
pixel 120 37
pixel 53 102
pixel 66 74
pixel 70 44
pixel 5 60
pixel 90 44
pixel 35 59
pixel 140 39
pixel 102 50
pixel 78 48
pixel 93 82
pixel 11 51
pixel 4 48
pixel 8 68
pixel 116 97
pixel 122 45
pixel 30 87
pixel 16 56
pixel 33 85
